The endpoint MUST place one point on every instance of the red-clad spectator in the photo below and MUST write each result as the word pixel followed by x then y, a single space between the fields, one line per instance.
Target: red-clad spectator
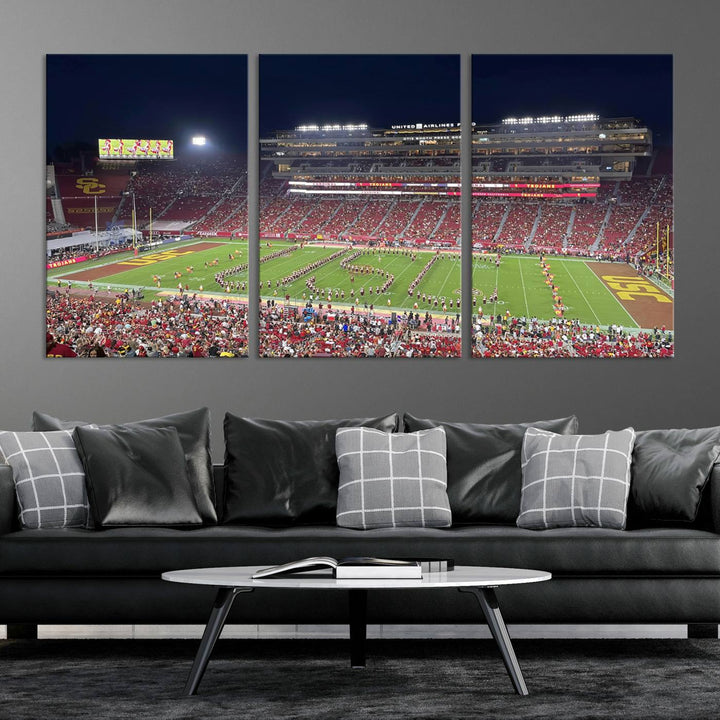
pixel 55 349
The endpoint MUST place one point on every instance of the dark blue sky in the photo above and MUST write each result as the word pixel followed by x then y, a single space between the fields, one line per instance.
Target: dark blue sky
pixel 148 96
pixel 176 96
pixel 609 85
pixel 379 90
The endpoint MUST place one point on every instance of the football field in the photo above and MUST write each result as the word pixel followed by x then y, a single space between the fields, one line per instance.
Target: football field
pixel 161 271
pixel 442 280
pixel 597 294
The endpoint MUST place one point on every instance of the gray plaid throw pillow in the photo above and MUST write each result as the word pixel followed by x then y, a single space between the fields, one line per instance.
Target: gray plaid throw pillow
pixel 575 480
pixel 49 478
pixel 392 479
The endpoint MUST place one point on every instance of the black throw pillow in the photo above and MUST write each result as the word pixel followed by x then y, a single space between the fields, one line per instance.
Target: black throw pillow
pixel 483 466
pixel 193 428
pixel 669 471
pixel 285 472
pixel 136 476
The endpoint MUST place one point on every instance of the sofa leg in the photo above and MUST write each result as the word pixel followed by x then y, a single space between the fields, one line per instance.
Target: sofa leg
pixel 22 631
pixel 702 630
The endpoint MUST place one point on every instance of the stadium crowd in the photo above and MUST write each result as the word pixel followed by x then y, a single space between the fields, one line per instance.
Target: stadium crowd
pixel 321 332
pixel 120 326
pixel 506 336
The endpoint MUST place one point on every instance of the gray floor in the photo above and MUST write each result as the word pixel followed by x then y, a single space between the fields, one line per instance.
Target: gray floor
pixel 341 631
pixel 663 679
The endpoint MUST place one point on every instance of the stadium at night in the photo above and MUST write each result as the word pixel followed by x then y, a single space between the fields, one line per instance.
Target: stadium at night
pixel 360 237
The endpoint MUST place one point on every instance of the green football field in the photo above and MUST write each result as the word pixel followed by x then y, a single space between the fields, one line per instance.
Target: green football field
pixel 522 290
pixel 519 280
pixel 441 281
pixel 164 262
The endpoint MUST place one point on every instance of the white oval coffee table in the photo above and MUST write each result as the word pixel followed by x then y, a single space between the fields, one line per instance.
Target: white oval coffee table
pixel 479 581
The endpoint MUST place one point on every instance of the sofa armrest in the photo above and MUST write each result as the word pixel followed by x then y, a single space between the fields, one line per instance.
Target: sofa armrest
pixel 7 500
pixel 715 496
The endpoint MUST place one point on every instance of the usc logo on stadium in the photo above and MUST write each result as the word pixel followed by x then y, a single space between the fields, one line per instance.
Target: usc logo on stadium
pixel 90 186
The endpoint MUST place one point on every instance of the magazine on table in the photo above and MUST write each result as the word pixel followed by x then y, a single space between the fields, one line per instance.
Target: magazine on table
pixel 350 568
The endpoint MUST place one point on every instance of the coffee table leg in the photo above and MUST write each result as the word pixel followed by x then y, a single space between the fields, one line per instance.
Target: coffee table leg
pixel 221 608
pixel 488 603
pixel 357 601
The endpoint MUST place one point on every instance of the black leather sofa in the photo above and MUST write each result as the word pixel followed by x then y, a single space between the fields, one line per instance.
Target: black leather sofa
pixel 648 573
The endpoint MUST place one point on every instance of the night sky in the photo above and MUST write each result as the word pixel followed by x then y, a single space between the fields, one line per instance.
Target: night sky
pixel 610 85
pixel 380 90
pixel 148 96
pixel 176 96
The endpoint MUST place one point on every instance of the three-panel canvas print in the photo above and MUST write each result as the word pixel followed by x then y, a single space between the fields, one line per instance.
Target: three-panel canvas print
pixel 372 208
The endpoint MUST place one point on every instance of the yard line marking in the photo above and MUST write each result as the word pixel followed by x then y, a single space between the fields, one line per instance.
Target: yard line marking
pixel 453 263
pixel 522 282
pixel 583 295
pixel 497 277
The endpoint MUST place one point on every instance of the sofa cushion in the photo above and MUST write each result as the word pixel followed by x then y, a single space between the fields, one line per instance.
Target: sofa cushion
pixel 42 422
pixel 49 478
pixel 670 469
pixel 392 479
pixel 282 472
pixel 651 552
pixel 575 480
pixel 136 476
pixel 193 428
pixel 714 498
pixel 483 465
pixel 8 501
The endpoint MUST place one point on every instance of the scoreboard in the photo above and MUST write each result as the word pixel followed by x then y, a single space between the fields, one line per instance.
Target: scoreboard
pixel 143 149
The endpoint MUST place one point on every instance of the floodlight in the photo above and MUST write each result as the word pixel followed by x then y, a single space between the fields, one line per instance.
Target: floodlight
pixel 199 140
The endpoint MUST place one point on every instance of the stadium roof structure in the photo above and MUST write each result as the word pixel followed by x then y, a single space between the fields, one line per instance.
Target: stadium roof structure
pixel 561 148
pixel 573 152
pixel 420 149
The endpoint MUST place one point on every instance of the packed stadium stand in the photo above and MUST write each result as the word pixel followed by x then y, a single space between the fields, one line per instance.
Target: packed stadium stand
pixel 536 187
pixel 449 229
pixel 209 196
pixel 609 199
pixel 553 227
pixel 78 192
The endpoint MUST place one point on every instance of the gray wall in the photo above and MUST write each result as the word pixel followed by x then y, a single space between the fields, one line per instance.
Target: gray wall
pixel 603 393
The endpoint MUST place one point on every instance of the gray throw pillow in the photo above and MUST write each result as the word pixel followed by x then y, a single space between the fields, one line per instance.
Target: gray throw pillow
pixel 392 479
pixel 575 480
pixel 483 466
pixel 49 478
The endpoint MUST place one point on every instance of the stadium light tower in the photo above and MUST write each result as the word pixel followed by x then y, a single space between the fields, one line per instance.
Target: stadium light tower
pixel 199 140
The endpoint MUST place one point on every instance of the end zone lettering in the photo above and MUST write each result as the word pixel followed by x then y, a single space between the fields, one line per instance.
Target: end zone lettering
pixel 632 288
pixel 156 257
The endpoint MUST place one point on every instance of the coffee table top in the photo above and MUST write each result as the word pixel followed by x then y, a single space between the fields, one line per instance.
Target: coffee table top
pixel 461 576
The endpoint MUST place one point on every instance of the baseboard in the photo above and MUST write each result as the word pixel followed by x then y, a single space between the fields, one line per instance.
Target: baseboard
pixel 446 631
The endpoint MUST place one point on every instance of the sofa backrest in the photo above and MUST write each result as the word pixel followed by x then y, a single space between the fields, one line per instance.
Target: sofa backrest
pixel 713 487
pixel 708 517
pixel 219 478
